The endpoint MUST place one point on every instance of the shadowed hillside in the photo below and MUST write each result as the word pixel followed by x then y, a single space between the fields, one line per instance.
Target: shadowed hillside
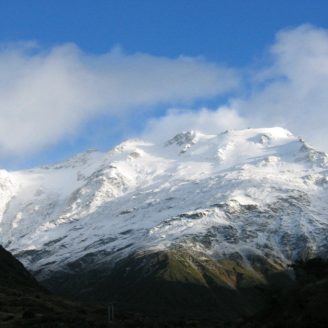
pixel 174 283
pixel 25 303
pixel 171 290
pixel 301 306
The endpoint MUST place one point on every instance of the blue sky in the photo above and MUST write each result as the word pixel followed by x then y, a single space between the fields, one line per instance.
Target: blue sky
pixel 83 74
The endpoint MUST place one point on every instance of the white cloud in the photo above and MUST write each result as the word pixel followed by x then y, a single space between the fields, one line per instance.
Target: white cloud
pixel 206 121
pixel 292 92
pixel 46 95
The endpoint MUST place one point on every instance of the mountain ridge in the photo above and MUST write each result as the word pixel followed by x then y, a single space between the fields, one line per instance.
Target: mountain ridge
pixel 254 195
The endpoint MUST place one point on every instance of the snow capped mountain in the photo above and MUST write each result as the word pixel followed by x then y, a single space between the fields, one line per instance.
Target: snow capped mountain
pixel 239 194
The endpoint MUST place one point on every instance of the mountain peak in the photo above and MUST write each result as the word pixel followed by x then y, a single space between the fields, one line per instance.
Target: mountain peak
pixel 184 138
pixel 248 194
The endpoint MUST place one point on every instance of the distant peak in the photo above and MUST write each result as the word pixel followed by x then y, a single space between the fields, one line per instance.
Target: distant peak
pixel 276 132
pixel 310 155
pixel 74 161
pixel 184 138
pixel 128 144
pixel 227 131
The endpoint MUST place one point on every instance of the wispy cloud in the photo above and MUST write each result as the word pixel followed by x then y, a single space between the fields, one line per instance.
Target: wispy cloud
pixel 204 120
pixel 290 91
pixel 46 95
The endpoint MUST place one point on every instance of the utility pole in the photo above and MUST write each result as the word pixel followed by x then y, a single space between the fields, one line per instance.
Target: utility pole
pixel 110 311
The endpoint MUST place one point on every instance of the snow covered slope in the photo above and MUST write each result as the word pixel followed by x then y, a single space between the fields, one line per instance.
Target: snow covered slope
pixel 255 192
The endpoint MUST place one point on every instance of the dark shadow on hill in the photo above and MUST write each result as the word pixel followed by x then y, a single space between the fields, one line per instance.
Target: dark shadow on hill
pixel 172 284
pixel 25 303
pixel 303 305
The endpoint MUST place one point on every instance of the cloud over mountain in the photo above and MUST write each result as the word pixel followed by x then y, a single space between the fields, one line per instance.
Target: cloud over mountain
pixel 46 95
pixel 290 90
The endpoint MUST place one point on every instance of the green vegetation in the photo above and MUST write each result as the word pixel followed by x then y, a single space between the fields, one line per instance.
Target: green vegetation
pixel 178 283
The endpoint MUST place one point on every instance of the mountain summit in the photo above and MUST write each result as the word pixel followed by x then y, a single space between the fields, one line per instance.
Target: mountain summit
pixel 236 207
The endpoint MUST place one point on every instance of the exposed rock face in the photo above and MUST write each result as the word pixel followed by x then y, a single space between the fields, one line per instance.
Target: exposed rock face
pixel 256 196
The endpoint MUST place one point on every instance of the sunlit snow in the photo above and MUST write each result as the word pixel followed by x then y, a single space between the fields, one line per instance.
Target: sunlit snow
pixel 241 190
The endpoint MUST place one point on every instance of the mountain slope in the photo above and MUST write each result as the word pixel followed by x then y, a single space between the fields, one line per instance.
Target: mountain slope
pixel 25 303
pixel 14 275
pixel 255 196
